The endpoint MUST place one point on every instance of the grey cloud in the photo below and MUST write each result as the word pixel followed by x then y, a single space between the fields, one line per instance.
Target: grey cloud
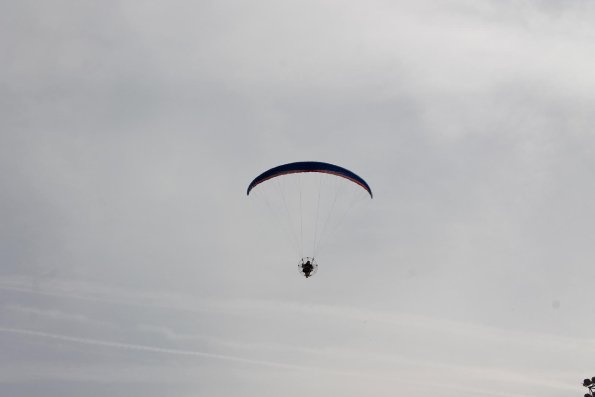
pixel 128 134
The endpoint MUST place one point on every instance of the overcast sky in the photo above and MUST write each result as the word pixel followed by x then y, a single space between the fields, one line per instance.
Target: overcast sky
pixel 132 263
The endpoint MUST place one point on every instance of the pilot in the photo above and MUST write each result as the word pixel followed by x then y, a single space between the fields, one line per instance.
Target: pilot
pixel 307 268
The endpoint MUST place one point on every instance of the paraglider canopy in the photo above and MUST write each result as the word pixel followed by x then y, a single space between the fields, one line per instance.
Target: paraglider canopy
pixel 309 166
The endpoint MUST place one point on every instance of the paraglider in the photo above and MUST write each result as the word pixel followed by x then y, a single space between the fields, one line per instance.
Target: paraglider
pixel 310 200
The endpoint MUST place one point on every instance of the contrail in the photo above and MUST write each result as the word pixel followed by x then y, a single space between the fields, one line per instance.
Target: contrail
pixel 192 353
pixel 151 349
pixel 95 299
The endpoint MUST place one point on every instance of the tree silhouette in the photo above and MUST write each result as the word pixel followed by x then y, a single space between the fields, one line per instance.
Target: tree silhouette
pixel 590 384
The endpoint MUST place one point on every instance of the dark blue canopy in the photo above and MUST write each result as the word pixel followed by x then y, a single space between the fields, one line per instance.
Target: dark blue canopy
pixel 309 166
